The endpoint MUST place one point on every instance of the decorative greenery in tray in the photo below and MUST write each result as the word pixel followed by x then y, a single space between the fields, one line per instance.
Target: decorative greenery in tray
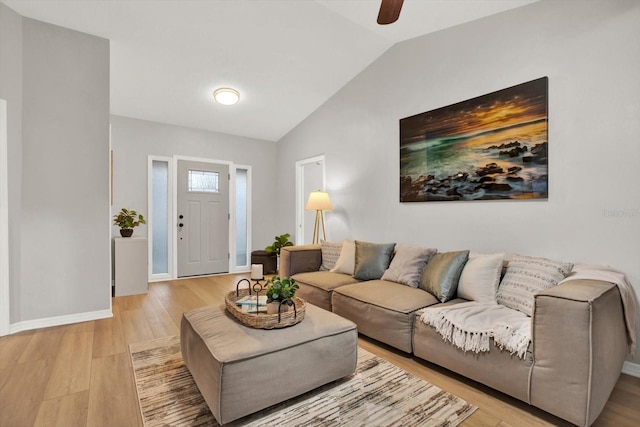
pixel 279 289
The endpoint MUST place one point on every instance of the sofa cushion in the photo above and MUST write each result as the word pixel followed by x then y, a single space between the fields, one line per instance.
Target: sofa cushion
pixel 407 265
pixel 441 275
pixel 330 254
pixel 525 277
pixel 347 260
pixel 389 295
pixel 316 286
pixel 372 259
pixel 324 280
pixel 480 277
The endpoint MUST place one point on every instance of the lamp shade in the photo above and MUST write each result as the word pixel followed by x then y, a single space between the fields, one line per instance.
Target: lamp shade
pixel 319 201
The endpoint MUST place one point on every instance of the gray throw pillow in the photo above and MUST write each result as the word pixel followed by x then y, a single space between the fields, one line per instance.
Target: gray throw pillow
pixel 407 265
pixel 441 275
pixel 372 259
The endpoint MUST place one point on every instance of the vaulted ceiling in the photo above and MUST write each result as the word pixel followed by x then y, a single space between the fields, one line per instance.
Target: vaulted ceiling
pixel 286 57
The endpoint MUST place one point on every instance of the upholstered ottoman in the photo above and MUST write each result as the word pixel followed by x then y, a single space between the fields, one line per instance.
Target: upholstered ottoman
pixel 241 370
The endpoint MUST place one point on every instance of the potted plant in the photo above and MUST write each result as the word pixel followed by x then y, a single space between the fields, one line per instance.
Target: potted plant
pixel 127 219
pixel 279 290
pixel 274 248
pixel 279 243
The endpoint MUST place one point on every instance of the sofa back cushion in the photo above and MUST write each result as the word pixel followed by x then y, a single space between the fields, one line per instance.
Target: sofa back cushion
pixel 441 275
pixel 525 277
pixel 330 254
pixel 480 277
pixel 407 265
pixel 347 260
pixel 372 259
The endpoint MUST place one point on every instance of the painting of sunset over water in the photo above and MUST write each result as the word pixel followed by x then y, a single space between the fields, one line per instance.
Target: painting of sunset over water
pixel 487 148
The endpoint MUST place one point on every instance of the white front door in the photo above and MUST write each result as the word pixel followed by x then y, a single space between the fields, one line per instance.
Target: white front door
pixel 203 218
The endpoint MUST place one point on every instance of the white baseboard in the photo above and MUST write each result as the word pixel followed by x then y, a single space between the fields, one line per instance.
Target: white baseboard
pixel 28 325
pixel 632 369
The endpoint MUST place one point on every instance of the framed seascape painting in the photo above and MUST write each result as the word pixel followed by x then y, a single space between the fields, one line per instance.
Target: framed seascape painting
pixel 487 148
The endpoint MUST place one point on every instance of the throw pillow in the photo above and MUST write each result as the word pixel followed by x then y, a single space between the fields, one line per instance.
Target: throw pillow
pixel 527 276
pixel 407 265
pixel 330 254
pixel 441 275
pixel 372 259
pixel 480 277
pixel 347 259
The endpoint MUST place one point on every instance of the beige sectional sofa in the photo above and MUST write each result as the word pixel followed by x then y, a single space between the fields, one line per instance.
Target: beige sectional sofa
pixel 575 356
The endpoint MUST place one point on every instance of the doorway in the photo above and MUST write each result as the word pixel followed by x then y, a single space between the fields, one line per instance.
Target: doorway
pixel 4 222
pixel 163 222
pixel 310 176
pixel 203 218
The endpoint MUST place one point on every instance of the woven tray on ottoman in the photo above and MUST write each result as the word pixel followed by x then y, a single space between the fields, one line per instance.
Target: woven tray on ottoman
pixel 263 320
pixel 240 370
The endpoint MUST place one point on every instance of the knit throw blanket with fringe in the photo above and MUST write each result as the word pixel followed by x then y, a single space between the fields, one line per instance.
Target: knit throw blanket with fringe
pixel 471 325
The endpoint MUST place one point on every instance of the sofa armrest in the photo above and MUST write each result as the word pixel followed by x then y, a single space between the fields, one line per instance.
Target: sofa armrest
pixel 299 259
pixel 579 347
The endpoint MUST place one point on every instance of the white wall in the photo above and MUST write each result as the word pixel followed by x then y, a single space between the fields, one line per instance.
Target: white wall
pixel 65 173
pixel 56 82
pixel 591 54
pixel 133 140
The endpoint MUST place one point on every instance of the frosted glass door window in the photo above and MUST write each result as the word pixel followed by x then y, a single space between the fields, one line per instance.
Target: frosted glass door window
pixel 241 217
pixel 160 217
pixel 203 181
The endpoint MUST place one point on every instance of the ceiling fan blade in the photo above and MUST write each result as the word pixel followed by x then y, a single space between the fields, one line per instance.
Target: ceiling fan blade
pixel 389 11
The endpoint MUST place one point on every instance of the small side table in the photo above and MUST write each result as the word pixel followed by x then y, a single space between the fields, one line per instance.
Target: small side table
pixel 268 260
pixel 131 266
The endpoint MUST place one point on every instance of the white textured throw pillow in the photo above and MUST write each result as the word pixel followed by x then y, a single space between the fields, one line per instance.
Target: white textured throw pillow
pixel 527 276
pixel 407 265
pixel 480 277
pixel 330 254
pixel 346 262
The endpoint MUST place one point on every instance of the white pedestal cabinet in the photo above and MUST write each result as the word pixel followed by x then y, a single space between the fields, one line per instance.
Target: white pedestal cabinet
pixel 131 266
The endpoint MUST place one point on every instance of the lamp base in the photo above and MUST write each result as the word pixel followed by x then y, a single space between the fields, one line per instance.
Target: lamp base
pixel 316 228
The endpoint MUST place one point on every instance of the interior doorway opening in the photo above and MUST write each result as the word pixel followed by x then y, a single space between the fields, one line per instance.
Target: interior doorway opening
pixel 310 176
pixel 4 223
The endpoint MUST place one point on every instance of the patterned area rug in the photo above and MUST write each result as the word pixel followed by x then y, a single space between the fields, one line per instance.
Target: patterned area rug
pixel 378 394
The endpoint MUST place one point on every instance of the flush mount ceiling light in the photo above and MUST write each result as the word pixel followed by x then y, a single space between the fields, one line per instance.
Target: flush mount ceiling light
pixel 226 96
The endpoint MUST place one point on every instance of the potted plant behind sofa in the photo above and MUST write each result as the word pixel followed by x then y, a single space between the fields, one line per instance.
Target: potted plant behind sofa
pixel 127 220
pixel 280 290
pixel 280 242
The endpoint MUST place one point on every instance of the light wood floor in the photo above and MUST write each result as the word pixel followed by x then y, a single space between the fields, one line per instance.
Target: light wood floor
pixel 80 375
